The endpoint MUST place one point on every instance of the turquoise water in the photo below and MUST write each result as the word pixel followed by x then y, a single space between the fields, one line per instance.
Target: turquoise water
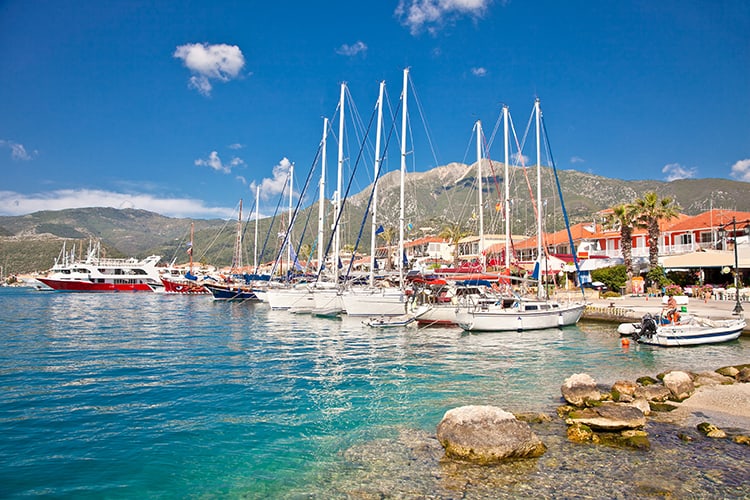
pixel 156 396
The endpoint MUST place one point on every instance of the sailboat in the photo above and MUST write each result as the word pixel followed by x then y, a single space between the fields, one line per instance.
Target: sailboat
pixel 520 313
pixel 446 299
pixel 379 300
pixel 186 284
pixel 231 289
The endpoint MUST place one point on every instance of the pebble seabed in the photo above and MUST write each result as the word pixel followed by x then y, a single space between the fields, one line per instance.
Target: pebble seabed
pixel 413 466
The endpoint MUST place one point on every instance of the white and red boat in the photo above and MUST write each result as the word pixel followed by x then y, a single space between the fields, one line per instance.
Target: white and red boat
pixel 96 274
pixel 176 282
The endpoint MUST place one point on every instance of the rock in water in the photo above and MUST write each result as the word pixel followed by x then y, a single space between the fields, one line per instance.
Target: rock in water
pixel 486 435
pixel 608 417
pixel 579 389
pixel 679 384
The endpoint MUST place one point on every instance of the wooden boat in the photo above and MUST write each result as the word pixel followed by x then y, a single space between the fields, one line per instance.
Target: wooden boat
pixel 233 292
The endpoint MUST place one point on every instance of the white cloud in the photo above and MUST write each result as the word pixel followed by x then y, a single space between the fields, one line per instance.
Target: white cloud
pixel 675 171
pixel 214 161
pixel 741 170
pixel 236 145
pixel 479 72
pixel 17 151
pixel 12 203
pixel 270 187
pixel 434 14
pixel 519 159
pixel 210 62
pixel 352 50
pixel 577 159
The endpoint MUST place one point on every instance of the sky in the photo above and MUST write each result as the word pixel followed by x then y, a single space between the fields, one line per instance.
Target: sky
pixel 185 107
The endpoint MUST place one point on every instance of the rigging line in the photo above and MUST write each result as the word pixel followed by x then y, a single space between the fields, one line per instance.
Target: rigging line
pixel 226 223
pixel 293 218
pixel 369 200
pixel 424 121
pixel 346 195
pixel 564 211
pixel 358 127
pixel 302 235
pixel 179 245
pixel 272 223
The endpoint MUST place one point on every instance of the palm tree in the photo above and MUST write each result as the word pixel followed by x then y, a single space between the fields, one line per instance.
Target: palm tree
pixel 650 210
pixel 624 217
pixel 388 235
pixel 453 233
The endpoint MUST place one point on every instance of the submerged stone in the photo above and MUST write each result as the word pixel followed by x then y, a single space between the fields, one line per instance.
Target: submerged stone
pixel 710 430
pixel 609 417
pixel 486 435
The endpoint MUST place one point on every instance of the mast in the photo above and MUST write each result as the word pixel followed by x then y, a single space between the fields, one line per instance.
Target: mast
pixel 322 199
pixel 481 200
pixel 339 185
pixel 538 196
pixel 291 214
pixel 403 176
pixel 192 231
pixel 257 216
pixel 373 233
pixel 507 191
pixel 237 261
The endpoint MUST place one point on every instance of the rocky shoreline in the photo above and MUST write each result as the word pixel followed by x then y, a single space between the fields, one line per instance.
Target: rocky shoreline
pixel 719 401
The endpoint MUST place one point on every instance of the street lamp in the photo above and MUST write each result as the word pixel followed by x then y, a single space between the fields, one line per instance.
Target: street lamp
pixel 722 232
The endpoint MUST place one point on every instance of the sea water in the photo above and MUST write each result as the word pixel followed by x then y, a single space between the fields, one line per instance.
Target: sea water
pixel 166 396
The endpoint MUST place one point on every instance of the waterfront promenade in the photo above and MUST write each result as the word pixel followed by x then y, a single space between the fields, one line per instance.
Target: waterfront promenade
pixel 632 307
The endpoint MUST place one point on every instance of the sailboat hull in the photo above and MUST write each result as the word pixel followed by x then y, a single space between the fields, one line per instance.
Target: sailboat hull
pixel 519 318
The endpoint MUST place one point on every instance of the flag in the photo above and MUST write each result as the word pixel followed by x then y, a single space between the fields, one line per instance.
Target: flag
pixel 295 260
pixel 535 274
pixel 375 265
pixel 406 261
pixel 380 229
pixel 189 249
pixel 409 227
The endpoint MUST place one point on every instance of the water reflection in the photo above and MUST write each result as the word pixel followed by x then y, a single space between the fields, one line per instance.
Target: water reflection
pixel 235 398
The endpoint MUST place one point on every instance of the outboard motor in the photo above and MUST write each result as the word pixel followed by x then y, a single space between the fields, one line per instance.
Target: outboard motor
pixel 648 326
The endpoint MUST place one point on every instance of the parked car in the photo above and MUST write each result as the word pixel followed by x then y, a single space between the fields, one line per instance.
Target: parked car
pixel 596 285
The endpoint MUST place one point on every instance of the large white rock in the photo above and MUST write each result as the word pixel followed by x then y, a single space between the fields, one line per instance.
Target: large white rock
pixel 486 434
pixel 680 384
pixel 580 388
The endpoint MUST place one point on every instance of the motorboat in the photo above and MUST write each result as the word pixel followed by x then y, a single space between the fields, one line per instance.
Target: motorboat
pixel 687 331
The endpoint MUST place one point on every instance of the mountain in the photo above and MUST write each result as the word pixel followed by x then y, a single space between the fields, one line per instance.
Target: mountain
pixel 435 198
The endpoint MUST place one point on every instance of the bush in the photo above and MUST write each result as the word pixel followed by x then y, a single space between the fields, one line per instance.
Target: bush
pixel 614 277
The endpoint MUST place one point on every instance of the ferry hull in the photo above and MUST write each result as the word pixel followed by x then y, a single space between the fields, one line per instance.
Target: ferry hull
pixel 85 286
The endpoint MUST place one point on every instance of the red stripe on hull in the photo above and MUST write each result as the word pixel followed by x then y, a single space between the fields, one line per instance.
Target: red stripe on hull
pixel 83 286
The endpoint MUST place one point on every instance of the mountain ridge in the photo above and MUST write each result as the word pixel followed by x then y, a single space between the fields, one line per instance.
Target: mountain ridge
pixel 434 198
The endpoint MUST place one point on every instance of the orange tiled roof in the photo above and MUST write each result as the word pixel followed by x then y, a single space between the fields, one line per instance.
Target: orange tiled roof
pixel 712 218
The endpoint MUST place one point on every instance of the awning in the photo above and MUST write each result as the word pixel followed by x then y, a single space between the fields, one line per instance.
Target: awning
pixel 708 258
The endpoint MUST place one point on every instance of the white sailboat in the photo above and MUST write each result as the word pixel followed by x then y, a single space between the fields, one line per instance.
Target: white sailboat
pixel 521 313
pixel 384 301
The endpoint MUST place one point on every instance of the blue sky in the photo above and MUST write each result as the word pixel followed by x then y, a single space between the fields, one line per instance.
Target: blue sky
pixel 184 107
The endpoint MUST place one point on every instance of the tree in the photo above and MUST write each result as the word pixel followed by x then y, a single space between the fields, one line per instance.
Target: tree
pixel 624 218
pixel 650 211
pixel 453 234
pixel 388 235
